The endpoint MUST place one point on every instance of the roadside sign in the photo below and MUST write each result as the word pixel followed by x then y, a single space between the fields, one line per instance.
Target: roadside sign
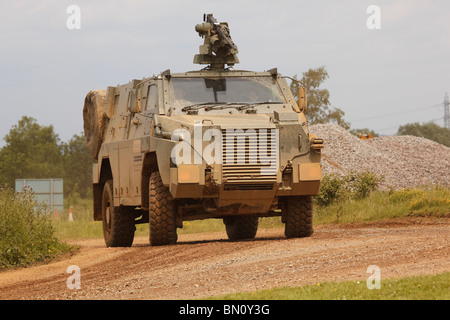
pixel 49 191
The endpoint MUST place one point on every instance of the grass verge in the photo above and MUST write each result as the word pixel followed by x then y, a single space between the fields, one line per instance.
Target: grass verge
pixel 429 287
pixel 421 202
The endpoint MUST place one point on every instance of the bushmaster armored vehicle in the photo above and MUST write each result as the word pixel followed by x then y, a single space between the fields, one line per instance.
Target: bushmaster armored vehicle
pixel 213 143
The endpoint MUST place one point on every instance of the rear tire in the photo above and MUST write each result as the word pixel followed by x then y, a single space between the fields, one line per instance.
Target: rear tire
pixel 162 213
pixel 299 213
pixel 118 222
pixel 241 227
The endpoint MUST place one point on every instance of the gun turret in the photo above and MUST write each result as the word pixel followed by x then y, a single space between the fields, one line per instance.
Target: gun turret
pixel 218 49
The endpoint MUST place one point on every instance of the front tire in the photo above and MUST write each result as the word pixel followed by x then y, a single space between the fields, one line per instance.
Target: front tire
pixel 118 222
pixel 162 213
pixel 299 216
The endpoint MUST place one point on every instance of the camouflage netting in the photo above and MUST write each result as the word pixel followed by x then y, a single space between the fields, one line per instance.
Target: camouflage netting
pixel 404 161
pixel 94 120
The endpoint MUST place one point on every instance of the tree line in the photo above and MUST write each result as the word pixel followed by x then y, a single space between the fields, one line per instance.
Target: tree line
pixel 33 151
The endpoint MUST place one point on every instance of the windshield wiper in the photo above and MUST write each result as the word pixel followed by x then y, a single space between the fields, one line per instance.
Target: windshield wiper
pixel 227 105
pixel 197 106
pixel 250 105
pixel 224 105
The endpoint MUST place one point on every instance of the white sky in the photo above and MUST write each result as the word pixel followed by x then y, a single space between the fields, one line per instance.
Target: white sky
pixel 402 70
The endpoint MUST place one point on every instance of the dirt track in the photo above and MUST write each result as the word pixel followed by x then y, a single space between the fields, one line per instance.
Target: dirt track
pixel 206 264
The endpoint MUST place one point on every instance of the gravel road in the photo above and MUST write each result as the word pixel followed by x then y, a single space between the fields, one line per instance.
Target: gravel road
pixel 207 264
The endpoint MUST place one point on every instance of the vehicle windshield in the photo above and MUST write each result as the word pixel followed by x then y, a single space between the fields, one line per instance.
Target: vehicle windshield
pixel 249 90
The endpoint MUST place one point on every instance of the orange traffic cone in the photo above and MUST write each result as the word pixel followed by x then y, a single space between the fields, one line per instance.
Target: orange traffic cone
pixel 56 213
pixel 70 215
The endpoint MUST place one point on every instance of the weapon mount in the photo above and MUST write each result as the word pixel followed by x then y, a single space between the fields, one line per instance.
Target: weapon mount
pixel 218 49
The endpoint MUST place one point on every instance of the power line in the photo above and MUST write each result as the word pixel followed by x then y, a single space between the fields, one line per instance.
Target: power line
pixel 384 129
pixel 446 116
pixel 396 113
pixel 446 112
pixel 434 120
pixel 396 127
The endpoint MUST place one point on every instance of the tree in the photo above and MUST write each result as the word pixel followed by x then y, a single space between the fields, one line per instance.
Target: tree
pixel 77 163
pixel 428 130
pixel 319 109
pixel 31 151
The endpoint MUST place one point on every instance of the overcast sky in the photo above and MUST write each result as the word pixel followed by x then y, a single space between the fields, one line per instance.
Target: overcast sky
pixel 381 78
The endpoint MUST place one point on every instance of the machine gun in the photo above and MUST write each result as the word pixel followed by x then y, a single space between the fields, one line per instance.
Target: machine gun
pixel 218 49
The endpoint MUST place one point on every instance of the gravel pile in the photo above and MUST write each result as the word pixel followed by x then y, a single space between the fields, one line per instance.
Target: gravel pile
pixel 404 161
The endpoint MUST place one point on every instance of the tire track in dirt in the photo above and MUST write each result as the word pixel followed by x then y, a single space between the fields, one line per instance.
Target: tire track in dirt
pixel 203 265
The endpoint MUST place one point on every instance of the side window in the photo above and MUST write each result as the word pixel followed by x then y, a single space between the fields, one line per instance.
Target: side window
pixel 152 99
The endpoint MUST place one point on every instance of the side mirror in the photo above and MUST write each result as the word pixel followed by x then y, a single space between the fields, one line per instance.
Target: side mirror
pixel 302 98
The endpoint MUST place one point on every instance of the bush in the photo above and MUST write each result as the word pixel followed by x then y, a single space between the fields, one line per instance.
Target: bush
pixel 355 185
pixel 329 188
pixel 405 195
pixel 26 230
pixel 426 200
pixel 361 184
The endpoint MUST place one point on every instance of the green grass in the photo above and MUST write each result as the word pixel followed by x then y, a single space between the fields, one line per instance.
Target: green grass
pixel 430 287
pixel 83 225
pixel 217 225
pixel 199 226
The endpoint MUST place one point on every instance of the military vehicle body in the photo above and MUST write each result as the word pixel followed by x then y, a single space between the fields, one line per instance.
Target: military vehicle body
pixel 214 143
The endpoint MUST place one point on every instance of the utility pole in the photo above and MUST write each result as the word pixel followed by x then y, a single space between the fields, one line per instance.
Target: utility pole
pixel 446 112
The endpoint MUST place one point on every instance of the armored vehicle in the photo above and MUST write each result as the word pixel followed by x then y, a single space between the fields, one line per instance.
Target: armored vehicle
pixel 214 143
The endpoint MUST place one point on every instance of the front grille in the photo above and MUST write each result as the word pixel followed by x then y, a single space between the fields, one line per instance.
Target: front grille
pixel 249 159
